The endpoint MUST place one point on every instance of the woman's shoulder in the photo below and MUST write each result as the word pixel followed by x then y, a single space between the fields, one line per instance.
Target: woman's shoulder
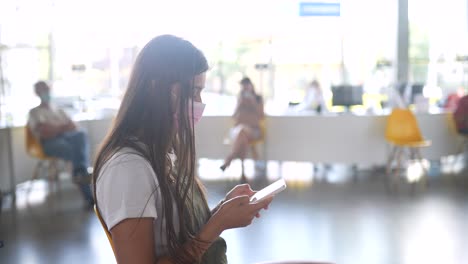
pixel 126 169
pixel 126 154
pixel 126 184
pixel 126 160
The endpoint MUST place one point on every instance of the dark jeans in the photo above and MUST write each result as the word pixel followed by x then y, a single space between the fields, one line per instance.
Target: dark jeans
pixel 463 131
pixel 72 146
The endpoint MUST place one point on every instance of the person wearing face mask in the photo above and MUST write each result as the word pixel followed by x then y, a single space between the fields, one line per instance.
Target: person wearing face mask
pixel 146 190
pixel 60 138
pixel 314 99
pixel 247 117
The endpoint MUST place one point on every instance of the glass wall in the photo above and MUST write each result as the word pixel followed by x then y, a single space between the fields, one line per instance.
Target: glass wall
pixel 86 48
pixel 439 45
pixel 24 55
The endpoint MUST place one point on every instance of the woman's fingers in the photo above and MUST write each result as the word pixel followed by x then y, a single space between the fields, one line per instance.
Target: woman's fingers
pixel 255 208
pixel 242 199
pixel 239 212
pixel 263 203
pixel 246 189
pixel 241 189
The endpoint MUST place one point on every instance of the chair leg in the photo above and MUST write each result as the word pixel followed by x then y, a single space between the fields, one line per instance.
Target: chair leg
pixel 399 159
pixel 413 157
pixel 243 178
pixel 390 161
pixel 388 170
pixel 49 176
pixel 35 176
pixel 425 181
pixel 69 168
pixel 53 174
pixel 254 152
pixel 1 203
pixel 64 169
pixel 260 170
pixel 460 154
pixel 37 170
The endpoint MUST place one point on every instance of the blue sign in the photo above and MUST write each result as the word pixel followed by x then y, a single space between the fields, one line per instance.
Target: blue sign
pixel 319 9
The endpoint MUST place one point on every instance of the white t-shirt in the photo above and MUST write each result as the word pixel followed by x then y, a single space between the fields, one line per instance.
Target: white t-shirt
pixel 52 115
pixel 127 187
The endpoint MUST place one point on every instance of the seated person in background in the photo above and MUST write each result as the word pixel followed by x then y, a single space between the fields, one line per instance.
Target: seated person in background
pixel 453 99
pixel 461 115
pixel 313 100
pixel 60 138
pixel 395 96
pixel 247 118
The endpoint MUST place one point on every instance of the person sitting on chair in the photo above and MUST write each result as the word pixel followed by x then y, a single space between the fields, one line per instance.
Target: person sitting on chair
pixel 247 118
pixel 60 138
pixel 453 99
pixel 461 115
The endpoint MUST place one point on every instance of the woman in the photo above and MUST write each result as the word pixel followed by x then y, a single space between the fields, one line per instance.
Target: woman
pixel 314 99
pixel 247 117
pixel 145 184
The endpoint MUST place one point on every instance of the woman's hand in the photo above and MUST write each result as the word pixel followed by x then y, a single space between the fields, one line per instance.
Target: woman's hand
pixel 242 189
pixel 238 212
pixel 70 126
pixel 239 190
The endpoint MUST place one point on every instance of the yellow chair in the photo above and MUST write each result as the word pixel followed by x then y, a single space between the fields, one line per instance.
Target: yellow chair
pixel 104 226
pixel 34 149
pixel 403 133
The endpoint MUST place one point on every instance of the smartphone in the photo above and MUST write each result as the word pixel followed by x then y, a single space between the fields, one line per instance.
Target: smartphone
pixel 268 191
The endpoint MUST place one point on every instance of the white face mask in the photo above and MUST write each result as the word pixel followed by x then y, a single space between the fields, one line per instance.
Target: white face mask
pixel 198 109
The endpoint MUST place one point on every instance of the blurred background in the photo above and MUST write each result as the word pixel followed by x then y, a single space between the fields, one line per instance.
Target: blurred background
pixel 368 56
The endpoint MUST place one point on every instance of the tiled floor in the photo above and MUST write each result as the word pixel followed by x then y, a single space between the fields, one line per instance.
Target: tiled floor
pixel 344 222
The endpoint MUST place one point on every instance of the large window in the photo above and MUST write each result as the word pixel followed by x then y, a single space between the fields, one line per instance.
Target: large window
pixel 24 55
pixel 439 43
pixel 86 48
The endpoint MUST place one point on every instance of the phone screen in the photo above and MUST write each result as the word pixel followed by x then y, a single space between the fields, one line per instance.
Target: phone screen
pixel 268 191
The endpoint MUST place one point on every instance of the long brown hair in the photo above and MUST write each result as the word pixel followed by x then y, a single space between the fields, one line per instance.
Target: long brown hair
pixel 147 113
pixel 247 81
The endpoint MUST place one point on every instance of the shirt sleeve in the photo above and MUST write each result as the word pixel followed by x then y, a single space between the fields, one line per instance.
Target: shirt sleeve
pixel 64 116
pixel 127 188
pixel 33 122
